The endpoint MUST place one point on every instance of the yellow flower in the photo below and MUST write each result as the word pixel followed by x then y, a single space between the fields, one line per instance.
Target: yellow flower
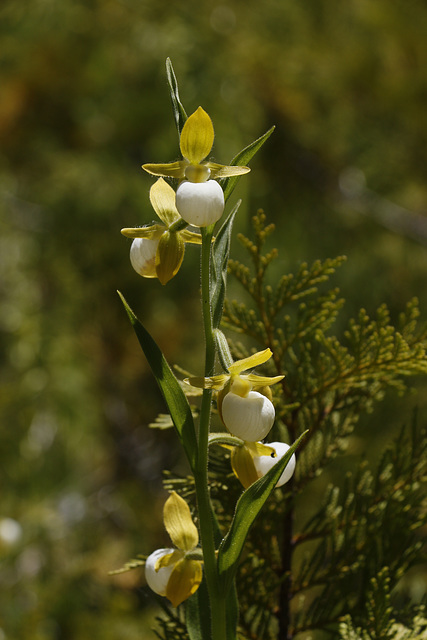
pixel 252 460
pixel 176 573
pixel 196 142
pixel 244 401
pixel 199 199
pixel 157 251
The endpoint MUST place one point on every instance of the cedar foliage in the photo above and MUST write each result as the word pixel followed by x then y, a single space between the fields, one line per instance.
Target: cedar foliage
pixel 334 570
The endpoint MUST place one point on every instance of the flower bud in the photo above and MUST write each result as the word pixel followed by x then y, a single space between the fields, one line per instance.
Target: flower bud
pixel 143 256
pixel 250 417
pixel 264 463
pixel 158 580
pixel 200 203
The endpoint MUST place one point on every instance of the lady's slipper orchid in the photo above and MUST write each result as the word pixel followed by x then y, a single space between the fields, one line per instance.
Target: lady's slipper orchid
pixel 157 251
pixel 199 199
pixel 243 402
pixel 176 573
pixel 252 460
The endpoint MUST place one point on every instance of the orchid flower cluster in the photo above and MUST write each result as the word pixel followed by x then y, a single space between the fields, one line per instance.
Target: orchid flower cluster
pixel 157 250
pixel 243 399
pixel 246 410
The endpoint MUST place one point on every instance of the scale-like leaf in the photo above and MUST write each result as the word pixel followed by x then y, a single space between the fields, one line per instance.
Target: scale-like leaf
pixel 248 506
pixel 174 396
pixel 242 159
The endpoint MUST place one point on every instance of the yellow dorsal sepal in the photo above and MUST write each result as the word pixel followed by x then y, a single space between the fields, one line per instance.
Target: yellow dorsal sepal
pixel 162 198
pixel 197 136
pixel 179 524
pixel 252 361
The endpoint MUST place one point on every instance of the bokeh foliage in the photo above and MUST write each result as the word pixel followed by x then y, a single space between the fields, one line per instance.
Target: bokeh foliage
pixel 83 103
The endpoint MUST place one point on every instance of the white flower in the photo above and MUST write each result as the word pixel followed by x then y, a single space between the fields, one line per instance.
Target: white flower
pixel 176 573
pixel 143 256
pixel 252 460
pixel 249 417
pixel 200 203
pixel 247 413
pixel 157 250
pixel 158 579
pixel 264 463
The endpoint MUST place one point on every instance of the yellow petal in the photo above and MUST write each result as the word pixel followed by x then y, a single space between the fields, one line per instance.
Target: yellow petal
pixel 197 136
pixel 258 382
pixel 162 198
pixel 152 232
pixel 168 559
pixel 169 256
pixel 260 449
pixel 179 524
pixel 215 382
pixel 243 466
pixel 191 237
pixel 184 580
pixel 252 361
pixel 168 170
pixel 224 171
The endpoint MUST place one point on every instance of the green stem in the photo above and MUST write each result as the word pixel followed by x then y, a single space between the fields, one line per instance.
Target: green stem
pixel 206 518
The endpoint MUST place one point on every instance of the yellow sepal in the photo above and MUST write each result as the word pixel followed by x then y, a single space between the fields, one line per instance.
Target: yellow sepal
pixel 197 136
pixel 184 580
pixel 167 170
pixel 252 361
pixel 257 382
pixel 162 198
pixel 150 232
pixel 179 524
pixel 243 466
pixel 169 256
pixel 224 171
pixel 215 382
pixel 168 559
pixel 191 237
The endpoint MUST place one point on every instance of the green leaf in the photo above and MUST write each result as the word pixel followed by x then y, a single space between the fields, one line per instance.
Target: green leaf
pixel 223 349
pixel 174 396
pixel 242 159
pixel 220 253
pixel 178 109
pixel 248 506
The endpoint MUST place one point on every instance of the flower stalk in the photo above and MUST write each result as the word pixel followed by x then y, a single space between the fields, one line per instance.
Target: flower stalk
pixel 206 516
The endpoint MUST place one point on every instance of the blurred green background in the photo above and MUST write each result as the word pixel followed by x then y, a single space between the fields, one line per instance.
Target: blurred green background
pixel 83 103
